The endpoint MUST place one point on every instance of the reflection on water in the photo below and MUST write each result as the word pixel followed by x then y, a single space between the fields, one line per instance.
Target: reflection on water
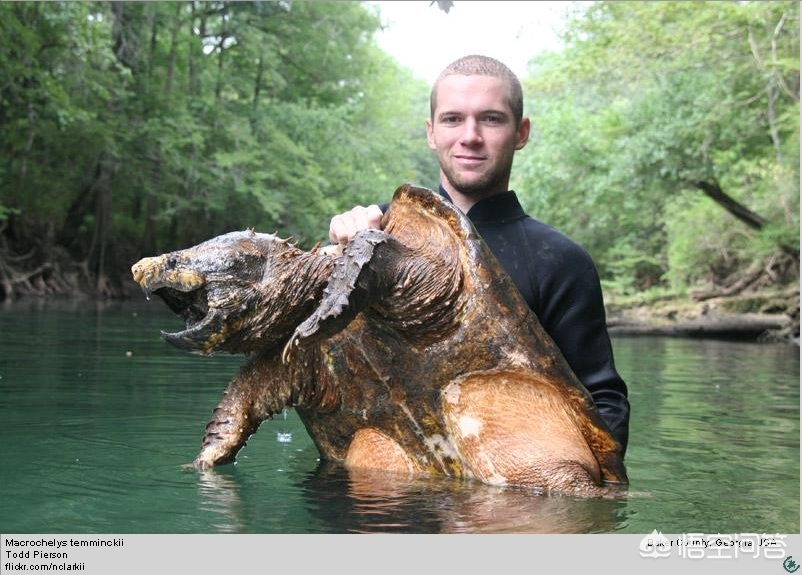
pixel 337 501
pixel 375 502
pixel 100 415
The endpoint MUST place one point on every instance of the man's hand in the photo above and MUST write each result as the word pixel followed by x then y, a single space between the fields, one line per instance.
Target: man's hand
pixel 343 226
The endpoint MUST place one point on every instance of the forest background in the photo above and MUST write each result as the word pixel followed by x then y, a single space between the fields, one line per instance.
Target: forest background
pixel 665 138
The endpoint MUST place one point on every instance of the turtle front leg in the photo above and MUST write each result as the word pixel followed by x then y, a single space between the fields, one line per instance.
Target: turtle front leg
pixel 226 433
pixel 246 403
pixel 358 279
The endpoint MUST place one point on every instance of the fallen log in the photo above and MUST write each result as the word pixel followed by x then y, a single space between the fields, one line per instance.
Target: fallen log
pixel 714 324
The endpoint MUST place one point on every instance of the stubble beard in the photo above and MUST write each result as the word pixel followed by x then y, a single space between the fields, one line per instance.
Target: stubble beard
pixel 486 183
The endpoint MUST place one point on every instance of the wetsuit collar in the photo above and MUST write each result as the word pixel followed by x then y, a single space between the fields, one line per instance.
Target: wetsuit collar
pixel 497 208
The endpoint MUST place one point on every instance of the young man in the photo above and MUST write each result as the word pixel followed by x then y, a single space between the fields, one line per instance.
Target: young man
pixel 475 126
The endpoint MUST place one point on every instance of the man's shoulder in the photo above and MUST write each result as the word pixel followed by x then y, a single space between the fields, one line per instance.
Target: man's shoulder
pixel 539 233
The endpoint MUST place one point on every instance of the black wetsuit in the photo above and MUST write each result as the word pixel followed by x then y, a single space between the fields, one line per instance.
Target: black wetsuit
pixel 560 283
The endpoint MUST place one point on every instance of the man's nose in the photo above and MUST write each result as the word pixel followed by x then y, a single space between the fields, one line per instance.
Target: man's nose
pixel 471 133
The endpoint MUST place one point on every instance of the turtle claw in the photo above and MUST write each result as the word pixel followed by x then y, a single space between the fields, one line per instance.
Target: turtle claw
pixel 286 354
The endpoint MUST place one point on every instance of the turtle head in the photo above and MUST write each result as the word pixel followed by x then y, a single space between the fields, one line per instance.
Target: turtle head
pixel 228 290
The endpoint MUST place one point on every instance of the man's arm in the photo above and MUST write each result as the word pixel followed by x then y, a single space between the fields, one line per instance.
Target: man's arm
pixel 575 319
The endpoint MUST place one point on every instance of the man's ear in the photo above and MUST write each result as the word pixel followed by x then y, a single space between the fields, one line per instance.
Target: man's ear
pixel 430 134
pixel 523 133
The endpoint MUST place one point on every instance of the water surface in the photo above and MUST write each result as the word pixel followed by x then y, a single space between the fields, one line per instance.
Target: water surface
pixel 99 416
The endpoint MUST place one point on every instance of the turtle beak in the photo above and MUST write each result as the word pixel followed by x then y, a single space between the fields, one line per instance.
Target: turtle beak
pixel 161 271
pixel 182 289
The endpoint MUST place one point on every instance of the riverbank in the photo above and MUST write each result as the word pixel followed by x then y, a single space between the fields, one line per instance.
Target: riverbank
pixel 761 317
pixel 767 316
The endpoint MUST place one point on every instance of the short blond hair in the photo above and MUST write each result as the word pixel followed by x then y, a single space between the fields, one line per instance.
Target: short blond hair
pixel 478 65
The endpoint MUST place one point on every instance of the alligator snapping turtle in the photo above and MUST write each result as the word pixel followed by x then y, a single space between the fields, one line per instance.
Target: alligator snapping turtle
pixel 411 351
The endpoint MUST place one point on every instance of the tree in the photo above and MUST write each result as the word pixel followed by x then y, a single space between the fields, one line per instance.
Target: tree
pixel 132 128
pixel 652 101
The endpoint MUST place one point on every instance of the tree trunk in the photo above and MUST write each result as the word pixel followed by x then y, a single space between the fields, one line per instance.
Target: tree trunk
pixel 714 192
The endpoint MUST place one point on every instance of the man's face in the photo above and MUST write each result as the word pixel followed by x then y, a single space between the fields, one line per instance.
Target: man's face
pixel 474 134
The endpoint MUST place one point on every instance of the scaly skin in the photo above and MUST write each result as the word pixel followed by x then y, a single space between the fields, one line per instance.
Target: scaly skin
pixel 411 352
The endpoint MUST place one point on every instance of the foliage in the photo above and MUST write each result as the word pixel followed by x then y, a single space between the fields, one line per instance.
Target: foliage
pixel 132 128
pixel 665 134
pixel 632 125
